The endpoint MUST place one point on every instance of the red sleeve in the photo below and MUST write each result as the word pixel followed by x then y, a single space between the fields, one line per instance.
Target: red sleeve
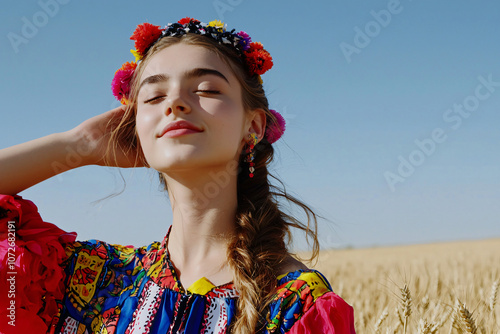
pixel 31 275
pixel 329 314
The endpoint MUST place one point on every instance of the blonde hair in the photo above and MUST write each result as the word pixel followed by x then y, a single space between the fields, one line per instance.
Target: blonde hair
pixel 259 248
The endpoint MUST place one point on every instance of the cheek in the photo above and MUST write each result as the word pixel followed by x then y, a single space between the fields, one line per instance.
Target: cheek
pixel 225 114
pixel 230 132
pixel 145 125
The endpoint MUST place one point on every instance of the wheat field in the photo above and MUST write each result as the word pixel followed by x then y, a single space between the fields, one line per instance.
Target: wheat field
pixel 433 288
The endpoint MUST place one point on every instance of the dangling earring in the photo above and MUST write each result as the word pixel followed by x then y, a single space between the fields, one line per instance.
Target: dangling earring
pixel 251 153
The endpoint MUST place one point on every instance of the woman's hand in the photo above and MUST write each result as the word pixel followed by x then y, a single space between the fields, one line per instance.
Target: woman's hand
pixel 26 164
pixel 93 142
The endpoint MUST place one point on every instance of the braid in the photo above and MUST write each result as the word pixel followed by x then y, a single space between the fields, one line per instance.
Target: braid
pixel 258 249
pixel 247 253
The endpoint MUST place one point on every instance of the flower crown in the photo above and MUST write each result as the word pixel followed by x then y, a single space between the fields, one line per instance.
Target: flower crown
pixel 257 60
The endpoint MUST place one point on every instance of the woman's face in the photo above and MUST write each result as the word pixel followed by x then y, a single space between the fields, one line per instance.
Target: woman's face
pixel 190 112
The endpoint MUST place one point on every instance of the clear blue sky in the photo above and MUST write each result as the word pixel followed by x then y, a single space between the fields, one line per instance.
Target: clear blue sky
pixel 357 87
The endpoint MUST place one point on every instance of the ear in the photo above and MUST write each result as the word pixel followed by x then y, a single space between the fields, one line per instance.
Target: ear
pixel 256 123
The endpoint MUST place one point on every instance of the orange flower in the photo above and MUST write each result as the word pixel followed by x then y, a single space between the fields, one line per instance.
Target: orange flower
pixel 128 66
pixel 144 36
pixel 256 46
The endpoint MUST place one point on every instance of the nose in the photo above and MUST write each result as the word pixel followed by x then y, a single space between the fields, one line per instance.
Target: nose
pixel 176 103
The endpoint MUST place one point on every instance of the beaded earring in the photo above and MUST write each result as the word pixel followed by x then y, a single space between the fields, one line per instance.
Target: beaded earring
pixel 251 153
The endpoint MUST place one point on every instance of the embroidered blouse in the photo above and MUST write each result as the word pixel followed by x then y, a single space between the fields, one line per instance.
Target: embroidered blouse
pixel 87 287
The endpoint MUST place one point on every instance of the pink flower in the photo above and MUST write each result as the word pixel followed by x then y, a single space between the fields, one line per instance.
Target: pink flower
pixel 121 82
pixel 276 128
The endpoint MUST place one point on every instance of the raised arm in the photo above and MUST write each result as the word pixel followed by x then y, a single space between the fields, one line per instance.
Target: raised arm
pixel 24 165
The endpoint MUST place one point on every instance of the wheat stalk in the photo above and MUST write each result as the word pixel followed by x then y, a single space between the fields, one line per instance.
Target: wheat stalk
pixel 466 316
pixel 361 318
pixel 454 318
pixel 406 306
pixel 399 317
pixel 423 327
pixel 396 327
pixel 425 303
pixel 493 296
pixel 380 320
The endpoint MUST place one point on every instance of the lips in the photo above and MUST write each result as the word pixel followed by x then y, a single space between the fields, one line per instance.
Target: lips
pixel 179 127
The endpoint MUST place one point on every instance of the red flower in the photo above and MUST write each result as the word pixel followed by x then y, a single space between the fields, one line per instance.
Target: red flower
pixel 186 20
pixel 144 36
pixel 258 60
pixel 34 252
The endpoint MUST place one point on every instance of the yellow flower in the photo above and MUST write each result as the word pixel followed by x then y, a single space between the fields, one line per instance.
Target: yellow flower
pixel 217 24
pixel 136 54
pixel 260 80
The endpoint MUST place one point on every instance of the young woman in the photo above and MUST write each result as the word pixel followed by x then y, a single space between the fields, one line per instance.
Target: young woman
pixel 195 111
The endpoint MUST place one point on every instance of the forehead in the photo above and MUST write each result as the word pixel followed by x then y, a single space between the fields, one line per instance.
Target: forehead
pixel 181 58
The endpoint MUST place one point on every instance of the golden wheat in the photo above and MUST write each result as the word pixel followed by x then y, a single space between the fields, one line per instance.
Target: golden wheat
pixel 380 320
pixel 467 319
pixel 493 296
pixel 435 288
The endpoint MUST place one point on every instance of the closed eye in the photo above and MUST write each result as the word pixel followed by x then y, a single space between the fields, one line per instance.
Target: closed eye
pixel 156 99
pixel 207 91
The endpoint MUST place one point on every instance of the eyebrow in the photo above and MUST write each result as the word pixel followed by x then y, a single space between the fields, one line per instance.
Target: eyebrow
pixel 194 73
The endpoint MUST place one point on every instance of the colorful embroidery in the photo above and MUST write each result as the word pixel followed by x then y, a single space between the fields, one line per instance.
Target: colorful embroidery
pixel 116 289
pixel 296 293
